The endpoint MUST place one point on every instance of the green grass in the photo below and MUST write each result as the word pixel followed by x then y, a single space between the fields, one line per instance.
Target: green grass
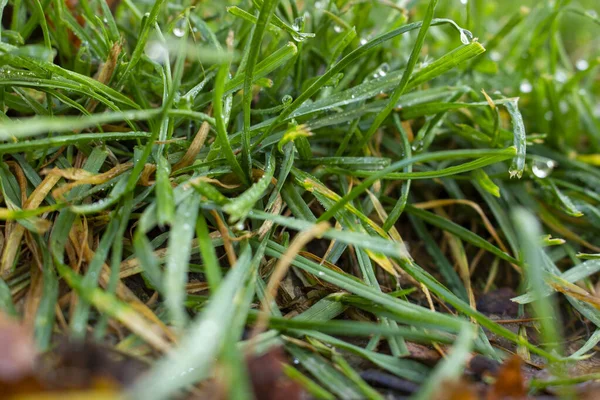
pixel 380 165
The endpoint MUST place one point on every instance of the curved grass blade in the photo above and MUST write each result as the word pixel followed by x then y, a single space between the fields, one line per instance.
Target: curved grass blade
pixel 266 11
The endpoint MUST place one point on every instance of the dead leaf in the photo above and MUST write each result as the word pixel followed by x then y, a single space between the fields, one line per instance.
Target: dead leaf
pixel 17 351
pixel 459 390
pixel 268 379
pixel 423 353
pixel 509 381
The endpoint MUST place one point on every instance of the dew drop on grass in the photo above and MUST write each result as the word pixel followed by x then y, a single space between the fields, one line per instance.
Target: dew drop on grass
pixel 337 29
pixel 297 24
pixel 542 168
pixel 363 41
pixel 466 36
pixel 179 29
pixel 525 86
pixel 592 13
pixel 464 1
pixel 381 71
pixel 296 361
pixel 582 64
pixel 417 145
pixel 321 273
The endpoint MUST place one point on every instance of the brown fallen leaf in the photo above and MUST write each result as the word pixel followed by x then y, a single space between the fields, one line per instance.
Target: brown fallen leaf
pixel 17 351
pixel 509 381
pixel 268 379
pixel 459 390
pixel 423 353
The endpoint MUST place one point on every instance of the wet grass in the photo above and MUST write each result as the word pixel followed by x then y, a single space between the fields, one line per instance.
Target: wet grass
pixel 300 175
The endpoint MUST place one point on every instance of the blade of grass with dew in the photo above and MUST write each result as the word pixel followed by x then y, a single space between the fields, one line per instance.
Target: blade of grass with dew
pixel 178 254
pixel 253 49
pixel 412 61
pixel 527 228
pixel 347 60
pixel 220 121
pixel 190 362
pixel 323 372
pixel 46 310
pixel 450 369
pixel 509 152
pixel 241 205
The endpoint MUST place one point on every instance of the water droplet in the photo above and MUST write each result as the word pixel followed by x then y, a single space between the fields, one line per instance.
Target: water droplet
pixel 592 13
pixel 466 36
pixel 353 96
pixel 560 76
pixel 179 28
pixel 239 226
pixel 525 86
pixel 105 20
pixel 363 41
pixel 321 273
pixel 548 116
pixel 495 56
pixel 582 65
pixel 417 145
pixel 295 360
pixel 464 1
pixel 157 51
pixel 337 28
pixel 381 71
pixel 542 168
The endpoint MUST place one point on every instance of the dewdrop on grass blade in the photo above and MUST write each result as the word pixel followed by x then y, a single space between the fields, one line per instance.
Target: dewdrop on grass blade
pixel 381 71
pixel 179 29
pixel 466 36
pixel 541 168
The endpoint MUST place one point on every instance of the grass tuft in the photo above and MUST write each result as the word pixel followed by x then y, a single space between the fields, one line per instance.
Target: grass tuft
pixel 377 188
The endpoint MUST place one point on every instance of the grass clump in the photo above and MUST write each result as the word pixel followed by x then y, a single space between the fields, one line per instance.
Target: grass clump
pixel 343 188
